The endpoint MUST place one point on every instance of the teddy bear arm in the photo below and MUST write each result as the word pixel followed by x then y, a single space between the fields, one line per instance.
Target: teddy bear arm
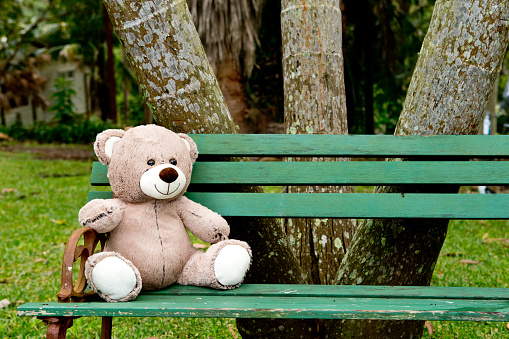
pixel 204 223
pixel 102 215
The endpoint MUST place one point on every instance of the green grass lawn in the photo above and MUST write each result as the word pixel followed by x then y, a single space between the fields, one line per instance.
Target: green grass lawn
pixel 39 200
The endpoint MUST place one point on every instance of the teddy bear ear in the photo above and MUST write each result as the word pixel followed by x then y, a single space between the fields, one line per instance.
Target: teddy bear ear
pixel 190 144
pixel 105 143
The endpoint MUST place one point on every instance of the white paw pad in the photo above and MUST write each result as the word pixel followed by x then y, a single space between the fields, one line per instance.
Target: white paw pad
pixel 231 265
pixel 113 277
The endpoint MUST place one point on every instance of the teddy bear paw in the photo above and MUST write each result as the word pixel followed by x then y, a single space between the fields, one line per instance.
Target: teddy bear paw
pixel 231 265
pixel 114 279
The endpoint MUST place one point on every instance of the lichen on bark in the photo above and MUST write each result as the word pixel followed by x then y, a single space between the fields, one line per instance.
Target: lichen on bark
pixel 459 61
pixel 458 64
pixel 167 56
pixel 315 104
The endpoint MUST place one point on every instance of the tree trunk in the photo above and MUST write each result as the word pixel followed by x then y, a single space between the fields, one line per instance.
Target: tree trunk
pixel 491 108
pixel 111 83
pixel 2 115
pixel 126 87
pixel 34 111
pixel 166 55
pixel 233 86
pixel 315 104
pixel 460 59
pixel 147 115
pixel 101 85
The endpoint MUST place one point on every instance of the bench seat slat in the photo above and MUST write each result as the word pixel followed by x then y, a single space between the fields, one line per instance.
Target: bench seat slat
pixel 353 205
pixel 341 173
pixel 344 291
pixel 284 306
pixel 351 145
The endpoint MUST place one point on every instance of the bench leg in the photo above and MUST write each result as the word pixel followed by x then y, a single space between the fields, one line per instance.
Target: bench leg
pixel 57 326
pixel 106 328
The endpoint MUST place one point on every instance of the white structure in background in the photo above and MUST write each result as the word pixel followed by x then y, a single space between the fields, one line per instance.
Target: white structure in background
pixel 70 71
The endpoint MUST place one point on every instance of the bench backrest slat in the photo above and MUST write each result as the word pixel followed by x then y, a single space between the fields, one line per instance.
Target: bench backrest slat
pixel 357 173
pixel 351 145
pixel 360 205
pixel 425 168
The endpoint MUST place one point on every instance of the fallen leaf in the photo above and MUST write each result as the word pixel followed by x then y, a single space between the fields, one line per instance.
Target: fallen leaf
pixel 507 326
pixel 200 246
pixel 454 254
pixel 39 260
pixel 58 222
pixel 4 303
pixel 234 335
pixel 488 240
pixel 469 262
pixel 485 236
pixel 8 190
pixel 429 326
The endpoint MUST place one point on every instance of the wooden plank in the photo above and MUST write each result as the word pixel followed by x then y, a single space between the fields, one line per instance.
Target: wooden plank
pixel 281 307
pixel 99 176
pixel 352 145
pixel 344 291
pixel 99 195
pixel 359 205
pixel 342 173
pixel 352 205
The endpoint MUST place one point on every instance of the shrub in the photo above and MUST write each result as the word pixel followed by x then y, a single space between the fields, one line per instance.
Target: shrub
pixel 80 130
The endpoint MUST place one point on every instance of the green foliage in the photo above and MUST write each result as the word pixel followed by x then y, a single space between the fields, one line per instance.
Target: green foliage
pixel 62 101
pixel 37 215
pixel 78 131
pixel 381 46
pixel 66 126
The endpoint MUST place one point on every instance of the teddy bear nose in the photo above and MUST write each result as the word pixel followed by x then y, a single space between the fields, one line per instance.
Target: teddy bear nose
pixel 168 175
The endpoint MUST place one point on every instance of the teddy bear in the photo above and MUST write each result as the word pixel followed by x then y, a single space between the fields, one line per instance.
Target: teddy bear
pixel 149 169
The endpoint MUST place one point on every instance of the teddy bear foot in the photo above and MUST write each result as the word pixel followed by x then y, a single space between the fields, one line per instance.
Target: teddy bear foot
pixel 223 266
pixel 113 277
pixel 231 265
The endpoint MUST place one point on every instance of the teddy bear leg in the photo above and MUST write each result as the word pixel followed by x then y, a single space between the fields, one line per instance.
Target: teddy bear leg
pixel 113 277
pixel 223 266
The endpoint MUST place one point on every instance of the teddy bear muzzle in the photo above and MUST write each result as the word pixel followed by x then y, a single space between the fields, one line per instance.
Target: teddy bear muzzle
pixel 163 182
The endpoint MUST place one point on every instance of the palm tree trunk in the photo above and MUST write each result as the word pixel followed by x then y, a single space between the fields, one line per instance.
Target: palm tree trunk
pixel 315 104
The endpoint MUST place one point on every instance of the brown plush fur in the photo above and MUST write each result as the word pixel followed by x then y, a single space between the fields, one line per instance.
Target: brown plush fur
pixel 148 232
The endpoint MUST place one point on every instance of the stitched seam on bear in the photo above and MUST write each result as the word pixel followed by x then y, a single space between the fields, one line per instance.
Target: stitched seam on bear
pixel 161 242
pixel 100 216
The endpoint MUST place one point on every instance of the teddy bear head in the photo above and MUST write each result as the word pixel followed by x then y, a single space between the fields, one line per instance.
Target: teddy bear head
pixel 146 162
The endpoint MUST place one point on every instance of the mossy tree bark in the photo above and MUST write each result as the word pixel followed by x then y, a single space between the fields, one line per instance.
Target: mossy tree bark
pixel 165 52
pixel 315 104
pixel 459 62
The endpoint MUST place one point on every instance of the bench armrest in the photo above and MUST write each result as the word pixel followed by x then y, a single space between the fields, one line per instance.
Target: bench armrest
pixel 72 253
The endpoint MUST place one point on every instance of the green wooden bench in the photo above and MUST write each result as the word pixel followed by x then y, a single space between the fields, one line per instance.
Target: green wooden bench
pixel 436 160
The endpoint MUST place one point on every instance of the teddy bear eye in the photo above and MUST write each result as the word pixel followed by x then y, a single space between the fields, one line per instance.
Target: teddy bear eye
pixel 173 162
pixel 151 162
